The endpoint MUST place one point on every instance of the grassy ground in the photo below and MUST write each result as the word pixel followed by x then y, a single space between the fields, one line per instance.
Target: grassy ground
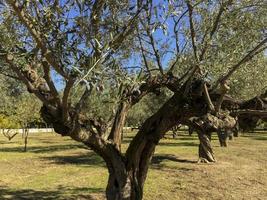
pixel 58 168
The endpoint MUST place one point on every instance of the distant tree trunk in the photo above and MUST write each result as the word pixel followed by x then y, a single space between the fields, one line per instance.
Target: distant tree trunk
pixel 230 134
pixel 236 133
pixel 205 151
pixel 25 135
pixel 236 130
pixel 175 130
pixel 190 130
pixel 222 135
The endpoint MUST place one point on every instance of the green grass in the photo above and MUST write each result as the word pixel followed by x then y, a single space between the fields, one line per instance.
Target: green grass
pixel 56 167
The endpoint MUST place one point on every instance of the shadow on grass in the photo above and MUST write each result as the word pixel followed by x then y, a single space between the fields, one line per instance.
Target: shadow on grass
pixel 87 159
pixel 255 136
pixel 259 137
pixel 182 137
pixel 185 144
pixel 61 193
pixel 157 159
pixel 42 149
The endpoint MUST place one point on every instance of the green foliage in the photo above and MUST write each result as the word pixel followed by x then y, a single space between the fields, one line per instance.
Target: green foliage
pixel 8 122
pixel 239 30
pixel 67 30
pixel 27 110
pixel 147 107
pixel 17 107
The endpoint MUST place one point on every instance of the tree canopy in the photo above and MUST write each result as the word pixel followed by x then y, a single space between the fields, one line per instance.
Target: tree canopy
pixel 91 63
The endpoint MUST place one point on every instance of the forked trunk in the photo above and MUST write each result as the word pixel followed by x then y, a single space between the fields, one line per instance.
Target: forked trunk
pixel 205 149
pixel 127 188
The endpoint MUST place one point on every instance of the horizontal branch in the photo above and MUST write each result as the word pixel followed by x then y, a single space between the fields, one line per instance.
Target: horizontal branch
pixel 251 112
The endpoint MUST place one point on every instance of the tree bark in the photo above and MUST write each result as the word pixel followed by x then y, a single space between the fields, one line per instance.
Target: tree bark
pixel 26 133
pixel 116 133
pixel 205 151
pixel 126 188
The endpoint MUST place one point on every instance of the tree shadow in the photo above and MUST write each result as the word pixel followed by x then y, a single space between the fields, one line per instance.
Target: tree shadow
pixel 61 193
pixel 86 159
pixel 185 138
pixel 43 149
pixel 259 137
pixel 157 159
pixel 190 144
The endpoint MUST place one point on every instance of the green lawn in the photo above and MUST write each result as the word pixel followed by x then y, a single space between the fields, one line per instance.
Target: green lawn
pixel 56 167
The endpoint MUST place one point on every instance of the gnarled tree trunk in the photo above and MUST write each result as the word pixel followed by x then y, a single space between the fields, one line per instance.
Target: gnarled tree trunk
pixel 205 151
pixel 124 188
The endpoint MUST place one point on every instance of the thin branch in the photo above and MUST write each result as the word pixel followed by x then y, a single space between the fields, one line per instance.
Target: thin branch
pixel 38 37
pixel 49 80
pixel 143 54
pixel 192 30
pixel 176 23
pixel 100 58
pixel 214 28
pixel 152 42
pixel 128 28
pixel 95 17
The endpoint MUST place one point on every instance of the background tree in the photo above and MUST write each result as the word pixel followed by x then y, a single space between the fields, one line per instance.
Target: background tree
pixel 18 110
pixel 94 47
pixel 27 111
pixel 6 123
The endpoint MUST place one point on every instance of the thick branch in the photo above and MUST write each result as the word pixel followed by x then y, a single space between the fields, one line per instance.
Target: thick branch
pixel 118 124
pixel 65 99
pixel 9 61
pixel 207 97
pixel 224 89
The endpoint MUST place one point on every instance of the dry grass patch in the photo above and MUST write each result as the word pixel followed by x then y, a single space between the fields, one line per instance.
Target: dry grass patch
pixel 59 168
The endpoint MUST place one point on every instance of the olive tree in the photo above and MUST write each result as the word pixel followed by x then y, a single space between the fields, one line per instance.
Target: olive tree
pixel 124 51
pixel 18 110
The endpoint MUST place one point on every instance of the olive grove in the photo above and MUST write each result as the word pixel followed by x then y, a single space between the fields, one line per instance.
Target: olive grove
pixel 92 62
